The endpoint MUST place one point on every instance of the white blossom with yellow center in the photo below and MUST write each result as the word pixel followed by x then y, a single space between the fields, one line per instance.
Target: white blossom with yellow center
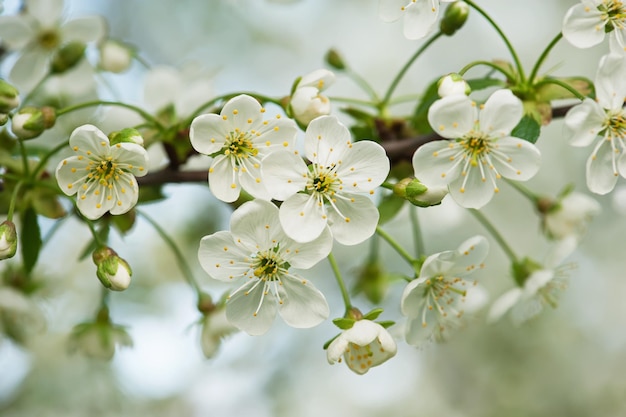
pixel 587 24
pixel 307 102
pixel 434 303
pixel 328 192
pixel 419 16
pixel 481 150
pixel 239 138
pixel 100 174
pixel 257 250
pixel 365 345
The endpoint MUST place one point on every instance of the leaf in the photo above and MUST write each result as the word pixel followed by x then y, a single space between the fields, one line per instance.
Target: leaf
pixel 30 239
pixel 477 84
pixel 373 315
pixel 389 207
pixel 386 323
pixel 344 323
pixel 527 129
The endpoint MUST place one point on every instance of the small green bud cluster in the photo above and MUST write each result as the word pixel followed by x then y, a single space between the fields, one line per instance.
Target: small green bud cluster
pixel 454 17
pixel 418 194
pixel 30 122
pixel 128 135
pixel 9 100
pixel 112 271
pixel 8 240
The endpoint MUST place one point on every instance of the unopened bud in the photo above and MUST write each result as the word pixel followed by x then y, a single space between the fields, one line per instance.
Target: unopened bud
pixel 454 17
pixel 115 56
pixel 9 97
pixel 112 271
pixel 128 135
pixel 418 194
pixel 452 84
pixel 67 57
pixel 335 60
pixel 4 118
pixel 8 240
pixel 31 122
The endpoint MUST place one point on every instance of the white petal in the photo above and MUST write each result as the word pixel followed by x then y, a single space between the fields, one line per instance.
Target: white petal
pixel 208 133
pixel 303 305
pixel 583 122
pixel 243 112
pixel 16 31
pixel 420 18
pixel 583 26
pixel 391 10
pixel 130 156
pixel 223 180
pixel 252 310
pixel 255 223
pixel 47 12
pixel 432 164
pixel 356 220
pixel 601 173
pixel 473 191
pixel 84 29
pixel 276 134
pixel 336 349
pixel 501 113
pixel 516 159
pixel 412 298
pixel 94 205
pixel 124 194
pixel 222 258
pixel 363 332
pixel 70 174
pixel 536 281
pixel 470 256
pixel 610 83
pixel 301 217
pixel 251 180
pixel 320 79
pixel 504 303
pixel 284 174
pixel 305 255
pixel 364 167
pixel 326 140
pixel 561 250
pixel 453 116
pixel 30 68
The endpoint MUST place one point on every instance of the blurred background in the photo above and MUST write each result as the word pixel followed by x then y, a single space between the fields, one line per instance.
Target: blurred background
pixel 568 362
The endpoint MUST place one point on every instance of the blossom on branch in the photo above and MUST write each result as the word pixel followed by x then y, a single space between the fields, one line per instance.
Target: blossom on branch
pixel 480 150
pixel 101 174
pixel 327 193
pixel 307 102
pixel 586 24
pixel 257 249
pixel 238 139
pixel 419 16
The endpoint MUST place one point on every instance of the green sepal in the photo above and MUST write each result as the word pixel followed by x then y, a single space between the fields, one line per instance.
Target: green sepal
pixel 124 222
pixel 528 129
pixel 386 323
pixel 30 239
pixel 344 323
pixel 373 315
pixel 294 86
pixel 328 342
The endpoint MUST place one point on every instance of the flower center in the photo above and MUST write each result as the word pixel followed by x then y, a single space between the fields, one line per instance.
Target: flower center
pixel 614 14
pixel 239 145
pixel 49 39
pixel 615 124
pixel 322 181
pixel 103 171
pixel 268 265
pixel 475 145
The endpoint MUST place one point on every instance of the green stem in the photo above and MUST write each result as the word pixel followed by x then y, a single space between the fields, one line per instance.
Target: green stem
pixel 353 101
pixel 418 241
pixel 42 164
pixel 394 83
pixel 388 185
pixel 374 245
pixel 342 285
pixel 405 99
pixel 518 64
pixel 543 56
pixel 562 84
pixel 136 109
pixel 94 233
pixel 25 164
pixel 34 90
pixel 361 82
pixel 491 65
pixel 496 235
pixel 16 191
pixel 180 259
pixel 524 191
pixel 142 61
pixel 395 245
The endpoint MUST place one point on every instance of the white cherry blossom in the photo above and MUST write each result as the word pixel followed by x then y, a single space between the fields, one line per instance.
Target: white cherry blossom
pixel 328 192
pixel 239 138
pixel 101 174
pixel 435 302
pixel 570 216
pixel 307 102
pixel 419 16
pixel 257 250
pixel 480 150
pixel 586 24
pixel 365 345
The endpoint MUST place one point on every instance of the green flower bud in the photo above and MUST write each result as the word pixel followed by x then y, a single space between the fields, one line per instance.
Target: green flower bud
pixel 67 57
pixel 9 97
pixel 128 135
pixel 452 84
pixel 419 194
pixel 4 118
pixel 335 60
pixel 112 271
pixel 98 339
pixel 30 122
pixel 8 240
pixel 454 17
pixel 115 56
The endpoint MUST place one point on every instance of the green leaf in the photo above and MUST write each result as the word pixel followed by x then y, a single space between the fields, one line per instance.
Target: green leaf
pixel 373 315
pixel 344 323
pixel 386 323
pixel 527 129
pixel 30 239
pixel 477 84
pixel 390 205
pixel 420 115
pixel 124 222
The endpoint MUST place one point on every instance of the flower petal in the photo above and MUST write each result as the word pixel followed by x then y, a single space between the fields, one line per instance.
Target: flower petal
pixel 602 174
pixel 326 140
pixel 251 180
pixel 223 180
pixel 437 163
pixel 583 26
pixel 453 116
pixel 583 122
pixel 473 190
pixel 516 159
pixel 47 12
pixel 124 198
pixel 251 308
pixel 470 256
pixel 501 113
pixel 320 79
pixel 16 31
pixel 303 305
pixel 305 255
pixel 87 140
pixel 391 10
pixel 30 68
pixel 70 173
pixel 255 224
pixel 284 173
pixel 276 134
pixel 208 133
pixel 364 167
pixel 222 258
pixel 355 220
pixel 84 29
pixel 504 303
pixel 243 112
pixel 302 218
pixel 610 84
pixel 336 349
pixel 420 18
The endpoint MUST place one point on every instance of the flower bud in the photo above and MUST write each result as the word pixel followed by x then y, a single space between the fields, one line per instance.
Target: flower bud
pixel 452 84
pixel 115 56
pixel 4 118
pixel 454 17
pixel 335 60
pixel 30 122
pixel 306 101
pixel 418 194
pixel 100 338
pixel 9 97
pixel 8 240
pixel 128 135
pixel 67 57
pixel 112 271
